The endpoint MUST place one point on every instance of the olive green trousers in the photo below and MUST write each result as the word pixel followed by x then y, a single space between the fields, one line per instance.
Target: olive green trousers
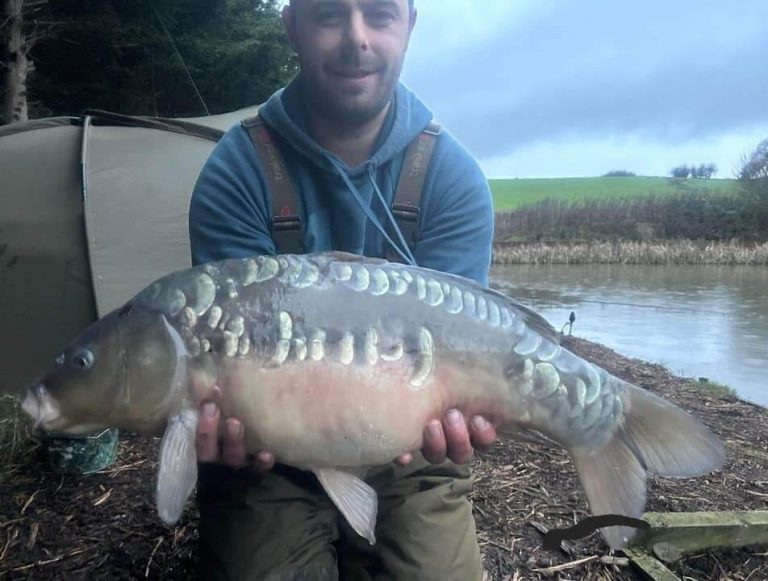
pixel 282 526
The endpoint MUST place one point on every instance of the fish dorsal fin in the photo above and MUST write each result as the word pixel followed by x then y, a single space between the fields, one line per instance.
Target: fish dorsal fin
pixel 354 498
pixel 177 473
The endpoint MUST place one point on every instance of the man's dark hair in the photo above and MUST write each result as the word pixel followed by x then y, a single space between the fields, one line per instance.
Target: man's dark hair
pixel 410 3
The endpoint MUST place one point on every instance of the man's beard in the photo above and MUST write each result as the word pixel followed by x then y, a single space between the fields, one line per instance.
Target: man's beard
pixel 347 110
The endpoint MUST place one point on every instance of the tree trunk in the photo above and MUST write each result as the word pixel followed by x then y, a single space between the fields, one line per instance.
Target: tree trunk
pixel 16 64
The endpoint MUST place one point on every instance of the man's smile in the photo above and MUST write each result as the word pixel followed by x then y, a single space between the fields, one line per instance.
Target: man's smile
pixel 352 73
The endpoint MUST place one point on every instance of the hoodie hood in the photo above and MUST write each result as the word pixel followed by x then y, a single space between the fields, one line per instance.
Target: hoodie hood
pixel 284 112
pixel 359 191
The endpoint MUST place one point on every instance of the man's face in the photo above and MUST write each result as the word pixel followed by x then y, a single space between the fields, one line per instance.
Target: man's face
pixel 351 53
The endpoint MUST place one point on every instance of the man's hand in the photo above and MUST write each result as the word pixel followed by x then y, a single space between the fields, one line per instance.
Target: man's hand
pixel 226 445
pixel 452 438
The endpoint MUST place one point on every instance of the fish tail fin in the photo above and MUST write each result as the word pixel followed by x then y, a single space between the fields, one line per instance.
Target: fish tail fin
pixel 655 436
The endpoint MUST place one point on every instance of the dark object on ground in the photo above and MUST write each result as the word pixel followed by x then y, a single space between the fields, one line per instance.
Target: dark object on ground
pixel 569 324
pixel 587 526
pixel 80 454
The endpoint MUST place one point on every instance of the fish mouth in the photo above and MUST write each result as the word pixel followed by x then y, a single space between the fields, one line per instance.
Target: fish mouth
pixel 40 405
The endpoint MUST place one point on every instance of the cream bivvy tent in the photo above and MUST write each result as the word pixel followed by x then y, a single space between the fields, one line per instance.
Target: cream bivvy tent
pixel 92 209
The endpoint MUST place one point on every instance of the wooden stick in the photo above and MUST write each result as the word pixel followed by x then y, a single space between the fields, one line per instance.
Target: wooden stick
pixel 690 532
pixel 650 567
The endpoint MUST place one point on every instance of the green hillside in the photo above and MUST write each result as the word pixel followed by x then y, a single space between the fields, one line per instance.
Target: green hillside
pixel 509 194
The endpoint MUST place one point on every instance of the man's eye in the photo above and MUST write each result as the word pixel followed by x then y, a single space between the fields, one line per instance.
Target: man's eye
pixel 328 17
pixel 380 17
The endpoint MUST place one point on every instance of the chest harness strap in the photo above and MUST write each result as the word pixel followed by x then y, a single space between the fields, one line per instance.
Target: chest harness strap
pixel 286 220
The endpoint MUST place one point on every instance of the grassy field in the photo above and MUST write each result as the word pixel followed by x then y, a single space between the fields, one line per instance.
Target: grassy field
pixel 509 194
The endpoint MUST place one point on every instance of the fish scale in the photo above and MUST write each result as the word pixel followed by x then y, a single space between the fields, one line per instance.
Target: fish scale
pixel 335 362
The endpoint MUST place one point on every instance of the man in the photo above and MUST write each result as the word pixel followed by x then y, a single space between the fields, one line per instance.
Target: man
pixel 342 126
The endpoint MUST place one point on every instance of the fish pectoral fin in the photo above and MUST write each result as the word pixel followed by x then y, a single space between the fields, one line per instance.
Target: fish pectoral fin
pixel 354 498
pixel 177 473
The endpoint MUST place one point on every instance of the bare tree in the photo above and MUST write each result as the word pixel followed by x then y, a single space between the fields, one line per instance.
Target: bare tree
pixel 16 42
pixel 753 174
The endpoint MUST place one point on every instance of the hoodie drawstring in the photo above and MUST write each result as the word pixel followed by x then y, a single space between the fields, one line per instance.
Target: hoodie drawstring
pixel 390 217
pixel 404 251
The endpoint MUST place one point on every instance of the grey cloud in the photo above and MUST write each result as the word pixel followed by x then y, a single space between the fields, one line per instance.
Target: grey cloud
pixel 598 69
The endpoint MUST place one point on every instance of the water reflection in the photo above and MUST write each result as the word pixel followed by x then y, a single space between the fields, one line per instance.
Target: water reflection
pixel 699 321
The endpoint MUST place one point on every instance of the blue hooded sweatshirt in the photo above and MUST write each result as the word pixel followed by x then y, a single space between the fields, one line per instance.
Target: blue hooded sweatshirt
pixel 230 211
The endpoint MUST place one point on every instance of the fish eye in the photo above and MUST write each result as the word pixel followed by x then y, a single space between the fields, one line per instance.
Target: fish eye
pixel 82 359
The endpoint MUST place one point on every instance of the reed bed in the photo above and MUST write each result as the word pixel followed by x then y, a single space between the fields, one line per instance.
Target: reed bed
pixel 666 252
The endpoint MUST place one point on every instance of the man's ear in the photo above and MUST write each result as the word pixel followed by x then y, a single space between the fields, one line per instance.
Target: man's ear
pixel 412 21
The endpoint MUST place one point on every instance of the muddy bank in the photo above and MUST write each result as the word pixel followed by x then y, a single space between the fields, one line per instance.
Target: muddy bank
pixel 104 526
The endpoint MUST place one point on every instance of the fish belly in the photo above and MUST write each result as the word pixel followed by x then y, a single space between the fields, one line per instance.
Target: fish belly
pixel 325 414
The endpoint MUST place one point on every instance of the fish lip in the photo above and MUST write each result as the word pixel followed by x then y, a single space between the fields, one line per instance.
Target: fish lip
pixel 40 405
pixel 31 406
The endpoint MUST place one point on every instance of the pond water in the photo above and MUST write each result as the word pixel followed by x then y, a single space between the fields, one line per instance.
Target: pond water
pixel 698 321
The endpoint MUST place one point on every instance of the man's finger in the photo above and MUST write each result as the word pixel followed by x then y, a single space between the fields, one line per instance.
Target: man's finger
pixel 264 462
pixel 207 433
pixel 233 448
pixel 482 433
pixel 457 437
pixel 404 460
pixel 434 447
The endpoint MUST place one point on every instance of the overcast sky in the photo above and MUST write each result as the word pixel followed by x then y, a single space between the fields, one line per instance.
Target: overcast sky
pixel 548 88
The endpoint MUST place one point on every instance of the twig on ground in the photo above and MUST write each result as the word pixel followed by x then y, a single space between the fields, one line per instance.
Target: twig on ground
pixel 564 566
pixel 49 561
pixel 29 501
pixel 149 563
